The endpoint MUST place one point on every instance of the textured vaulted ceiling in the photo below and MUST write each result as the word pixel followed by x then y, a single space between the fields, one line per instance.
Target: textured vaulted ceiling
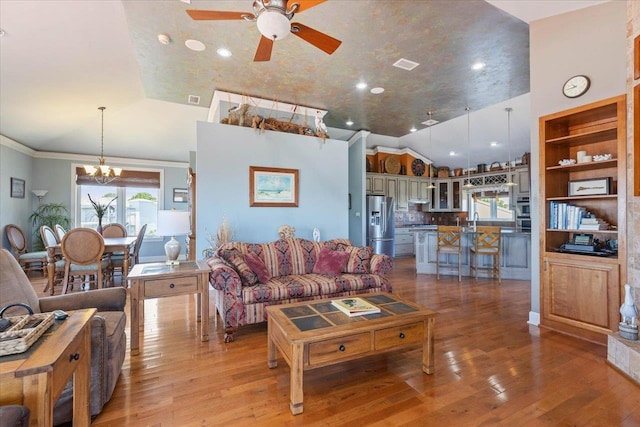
pixel 61 60
pixel 443 36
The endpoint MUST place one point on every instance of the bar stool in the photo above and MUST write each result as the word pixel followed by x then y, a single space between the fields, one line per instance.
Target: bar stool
pixel 486 242
pixel 449 242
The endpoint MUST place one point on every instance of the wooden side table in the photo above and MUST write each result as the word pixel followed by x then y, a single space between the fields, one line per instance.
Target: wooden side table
pixel 158 280
pixel 37 377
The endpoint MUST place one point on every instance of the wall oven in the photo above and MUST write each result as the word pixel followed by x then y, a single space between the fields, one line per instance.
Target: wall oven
pixel 522 207
pixel 523 223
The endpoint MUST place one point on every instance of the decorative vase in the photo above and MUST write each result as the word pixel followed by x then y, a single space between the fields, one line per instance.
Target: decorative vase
pixel 99 228
pixel 628 326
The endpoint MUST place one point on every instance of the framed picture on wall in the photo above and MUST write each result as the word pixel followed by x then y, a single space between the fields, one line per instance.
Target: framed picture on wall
pixel 17 188
pixel 273 187
pixel 180 195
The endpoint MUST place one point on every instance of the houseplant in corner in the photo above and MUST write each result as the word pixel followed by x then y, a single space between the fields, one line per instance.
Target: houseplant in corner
pixel 48 214
pixel 100 210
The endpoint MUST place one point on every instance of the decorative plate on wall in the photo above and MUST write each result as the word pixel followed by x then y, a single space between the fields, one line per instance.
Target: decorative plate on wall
pixel 417 167
pixel 392 165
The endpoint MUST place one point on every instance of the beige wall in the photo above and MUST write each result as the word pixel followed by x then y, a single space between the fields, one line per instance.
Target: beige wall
pixel 633 203
pixel 591 41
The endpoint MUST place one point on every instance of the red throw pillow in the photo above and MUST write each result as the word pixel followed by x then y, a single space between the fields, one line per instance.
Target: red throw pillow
pixel 330 262
pixel 258 267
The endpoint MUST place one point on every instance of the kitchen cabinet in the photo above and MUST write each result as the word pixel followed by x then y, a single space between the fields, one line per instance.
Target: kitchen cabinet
pixel 521 177
pixel 398 188
pixel 376 184
pixel 404 245
pixel 418 191
pixel 447 196
pixel 580 294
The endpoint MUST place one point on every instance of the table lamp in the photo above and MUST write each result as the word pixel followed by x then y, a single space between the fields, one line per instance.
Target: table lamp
pixel 173 223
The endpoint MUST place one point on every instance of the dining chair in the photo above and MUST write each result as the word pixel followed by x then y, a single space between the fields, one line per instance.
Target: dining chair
pixel 449 243
pixel 29 261
pixel 487 242
pixel 49 238
pixel 117 260
pixel 114 230
pixel 82 249
pixel 60 231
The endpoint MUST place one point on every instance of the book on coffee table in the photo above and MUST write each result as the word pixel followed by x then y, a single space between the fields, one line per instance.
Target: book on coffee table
pixel 354 306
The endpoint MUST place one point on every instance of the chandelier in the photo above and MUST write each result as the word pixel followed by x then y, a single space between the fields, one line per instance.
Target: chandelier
pixel 468 185
pixel 102 173
pixel 430 186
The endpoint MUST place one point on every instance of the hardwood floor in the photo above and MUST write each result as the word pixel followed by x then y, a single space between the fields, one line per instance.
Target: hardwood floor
pixel 491 368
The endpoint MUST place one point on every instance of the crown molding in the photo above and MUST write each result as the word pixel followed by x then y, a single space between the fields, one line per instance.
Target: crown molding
pixel 398 151
pixel 84 158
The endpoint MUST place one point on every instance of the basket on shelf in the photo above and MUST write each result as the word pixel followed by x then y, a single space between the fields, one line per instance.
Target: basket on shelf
pixel 24 331
pixel 495 166
pixel 443 172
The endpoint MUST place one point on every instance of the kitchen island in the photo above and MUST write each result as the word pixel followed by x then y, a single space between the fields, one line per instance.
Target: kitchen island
pixel 515 255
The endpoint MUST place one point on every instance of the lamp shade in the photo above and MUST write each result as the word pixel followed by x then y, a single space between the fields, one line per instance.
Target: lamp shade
pixel 173 223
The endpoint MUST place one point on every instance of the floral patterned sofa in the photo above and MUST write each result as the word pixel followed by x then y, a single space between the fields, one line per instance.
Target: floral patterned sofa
pixel 248 277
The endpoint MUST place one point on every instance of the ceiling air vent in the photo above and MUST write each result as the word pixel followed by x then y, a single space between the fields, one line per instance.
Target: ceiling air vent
pixel 405 64
pixel 194 99
pixel 430 122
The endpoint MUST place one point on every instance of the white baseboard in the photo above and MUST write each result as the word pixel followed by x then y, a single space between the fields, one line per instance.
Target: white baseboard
pixel 534 318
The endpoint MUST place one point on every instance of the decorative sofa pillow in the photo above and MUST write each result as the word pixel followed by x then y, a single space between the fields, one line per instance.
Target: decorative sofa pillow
pixel 330 262
pixel 235 258
pixel 258 267
pixel 359 259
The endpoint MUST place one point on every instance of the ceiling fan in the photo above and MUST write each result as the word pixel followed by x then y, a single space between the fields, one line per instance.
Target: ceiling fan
pixel 274 23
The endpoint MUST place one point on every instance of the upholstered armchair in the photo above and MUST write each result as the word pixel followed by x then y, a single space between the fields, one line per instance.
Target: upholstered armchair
pixel 108 343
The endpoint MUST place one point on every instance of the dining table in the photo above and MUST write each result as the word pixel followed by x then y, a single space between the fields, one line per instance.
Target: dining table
pixel 111 245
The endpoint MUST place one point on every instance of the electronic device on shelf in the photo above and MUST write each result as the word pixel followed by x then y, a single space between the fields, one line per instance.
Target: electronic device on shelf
pixel 585 244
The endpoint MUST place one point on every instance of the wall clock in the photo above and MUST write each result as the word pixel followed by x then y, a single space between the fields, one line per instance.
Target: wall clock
pixel 576 86
pixel 417 167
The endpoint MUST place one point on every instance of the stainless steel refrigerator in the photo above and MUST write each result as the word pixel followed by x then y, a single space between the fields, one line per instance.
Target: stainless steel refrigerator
pixel 381 225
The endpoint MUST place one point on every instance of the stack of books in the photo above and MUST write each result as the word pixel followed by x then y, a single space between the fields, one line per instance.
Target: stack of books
pixel 593 223
pixel 354 306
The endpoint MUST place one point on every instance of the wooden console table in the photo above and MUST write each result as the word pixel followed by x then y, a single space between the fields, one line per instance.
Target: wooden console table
pixel 314 333
pixel 158 280
pixel 37 377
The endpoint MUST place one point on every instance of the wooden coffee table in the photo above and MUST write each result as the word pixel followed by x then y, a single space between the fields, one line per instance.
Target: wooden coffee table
pixel 313 334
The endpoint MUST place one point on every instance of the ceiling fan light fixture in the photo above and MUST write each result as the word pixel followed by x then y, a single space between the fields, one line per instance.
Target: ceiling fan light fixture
pixel 273 25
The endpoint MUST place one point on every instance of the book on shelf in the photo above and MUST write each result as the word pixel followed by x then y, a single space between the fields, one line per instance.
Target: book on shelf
pixel 354 306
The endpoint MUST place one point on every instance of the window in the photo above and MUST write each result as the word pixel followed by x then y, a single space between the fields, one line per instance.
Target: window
pixel 134 206
pixel 491 206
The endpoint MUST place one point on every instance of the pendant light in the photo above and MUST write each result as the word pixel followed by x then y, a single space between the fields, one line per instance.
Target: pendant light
pixel 468 185
pixel 430 186
pixel 102 173
pixel 509 183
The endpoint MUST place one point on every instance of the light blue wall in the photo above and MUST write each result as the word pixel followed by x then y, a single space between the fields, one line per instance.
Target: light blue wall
pixel 15 164
pixel 357 171
pixel 222 168
pixel 55 175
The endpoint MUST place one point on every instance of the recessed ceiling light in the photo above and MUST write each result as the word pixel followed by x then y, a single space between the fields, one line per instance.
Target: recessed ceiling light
pixel 196 45
pixel 452 153
pixel 413 129
pixel 349 123
pixel 478 66
pixel 361 85
pixel 494 144
pixel 164 39
pixel 405 64
pixel 224 52
pixel 377 90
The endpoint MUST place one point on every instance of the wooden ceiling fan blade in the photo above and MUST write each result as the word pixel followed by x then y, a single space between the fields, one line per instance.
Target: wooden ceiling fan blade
pixel 320 40
pixel 263 53
pixel 307 4
pixel 215 15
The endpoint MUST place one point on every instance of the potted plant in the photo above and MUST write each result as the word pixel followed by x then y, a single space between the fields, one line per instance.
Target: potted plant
pixel 48 214
pixel 100 210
